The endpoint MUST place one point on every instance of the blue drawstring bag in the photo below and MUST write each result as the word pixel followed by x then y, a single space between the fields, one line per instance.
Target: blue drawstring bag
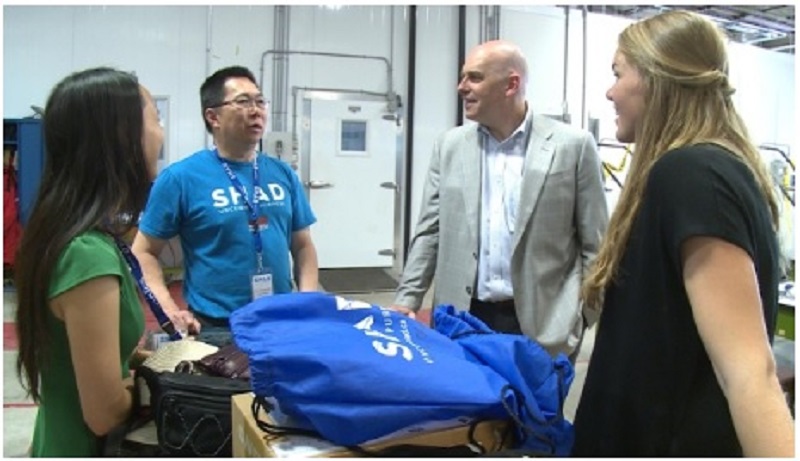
pixel 538 383
pixel 352 372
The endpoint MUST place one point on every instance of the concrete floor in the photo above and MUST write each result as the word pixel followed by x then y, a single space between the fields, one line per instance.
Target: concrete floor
pixel 19 413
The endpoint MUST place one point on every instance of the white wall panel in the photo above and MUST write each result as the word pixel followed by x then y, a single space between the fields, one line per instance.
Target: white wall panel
pixel 186 73
pixel 37 52
pixel 603 32
pixel 239 35
pixel 165 46
pixel 764 83
pixel 539 32
pixel 436 90
pixel 472 18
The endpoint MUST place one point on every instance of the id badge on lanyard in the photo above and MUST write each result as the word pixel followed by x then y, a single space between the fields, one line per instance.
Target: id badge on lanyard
pixel 261 284
pixel 261 279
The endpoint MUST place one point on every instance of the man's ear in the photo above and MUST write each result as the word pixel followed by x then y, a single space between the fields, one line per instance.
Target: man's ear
pixel 514 84
pixel 212 117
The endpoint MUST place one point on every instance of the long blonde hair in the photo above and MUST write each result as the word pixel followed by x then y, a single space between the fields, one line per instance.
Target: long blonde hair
pixel 683 63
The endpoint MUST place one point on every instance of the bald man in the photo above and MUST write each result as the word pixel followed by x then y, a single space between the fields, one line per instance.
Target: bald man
pixel 512 211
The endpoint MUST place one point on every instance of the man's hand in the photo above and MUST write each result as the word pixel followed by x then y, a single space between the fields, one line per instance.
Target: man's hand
pixel 403 310
pixel 184 322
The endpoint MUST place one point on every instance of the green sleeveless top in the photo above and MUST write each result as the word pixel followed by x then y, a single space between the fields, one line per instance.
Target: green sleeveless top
pixel 60 429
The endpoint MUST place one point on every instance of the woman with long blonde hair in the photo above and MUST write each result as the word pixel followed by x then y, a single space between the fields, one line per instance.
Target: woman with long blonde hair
pixel 687 274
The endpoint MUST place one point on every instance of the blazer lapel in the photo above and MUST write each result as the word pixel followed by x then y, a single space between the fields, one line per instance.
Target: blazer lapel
pixel 538 159
pixel 471 167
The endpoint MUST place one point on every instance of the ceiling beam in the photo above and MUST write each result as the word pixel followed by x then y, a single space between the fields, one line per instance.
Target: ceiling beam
pixel 784 48
pixel 775 43
pixel 746 24
pixel 786 25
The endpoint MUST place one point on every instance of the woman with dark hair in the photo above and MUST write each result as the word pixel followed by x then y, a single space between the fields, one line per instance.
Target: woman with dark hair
pixel 79 319
pixel 687 274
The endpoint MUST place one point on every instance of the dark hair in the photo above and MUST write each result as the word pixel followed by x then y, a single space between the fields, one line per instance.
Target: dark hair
pixel 212 91
pixel 95 178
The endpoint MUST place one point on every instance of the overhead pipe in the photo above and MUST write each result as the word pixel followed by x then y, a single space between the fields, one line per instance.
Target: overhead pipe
pixel 392 99
pixel 391 33
pixel 280 69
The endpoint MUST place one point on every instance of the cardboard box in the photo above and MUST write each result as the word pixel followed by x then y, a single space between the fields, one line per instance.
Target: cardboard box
pixel 251 442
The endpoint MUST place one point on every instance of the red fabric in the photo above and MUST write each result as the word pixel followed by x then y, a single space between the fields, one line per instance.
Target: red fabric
pixel 12 229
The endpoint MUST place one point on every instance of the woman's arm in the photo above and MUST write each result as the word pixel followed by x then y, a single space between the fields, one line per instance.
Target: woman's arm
pixel 721 283
pixel 91 314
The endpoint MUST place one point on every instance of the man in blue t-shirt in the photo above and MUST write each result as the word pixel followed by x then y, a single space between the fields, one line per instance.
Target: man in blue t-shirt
pixel 239 213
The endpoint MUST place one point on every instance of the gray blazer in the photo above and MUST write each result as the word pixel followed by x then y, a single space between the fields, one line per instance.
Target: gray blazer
pixel 562 215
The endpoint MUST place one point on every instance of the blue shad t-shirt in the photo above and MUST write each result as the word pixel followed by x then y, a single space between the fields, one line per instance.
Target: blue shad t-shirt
pixel 197 200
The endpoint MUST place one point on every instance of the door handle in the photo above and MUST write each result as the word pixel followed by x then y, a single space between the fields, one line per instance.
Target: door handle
pixel 315 184
pixel 389 185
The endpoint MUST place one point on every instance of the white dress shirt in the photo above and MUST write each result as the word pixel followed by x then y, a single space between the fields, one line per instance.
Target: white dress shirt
pixel 503 166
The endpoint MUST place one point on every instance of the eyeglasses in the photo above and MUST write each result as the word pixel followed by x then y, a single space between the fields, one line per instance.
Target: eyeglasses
pixel 245 103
